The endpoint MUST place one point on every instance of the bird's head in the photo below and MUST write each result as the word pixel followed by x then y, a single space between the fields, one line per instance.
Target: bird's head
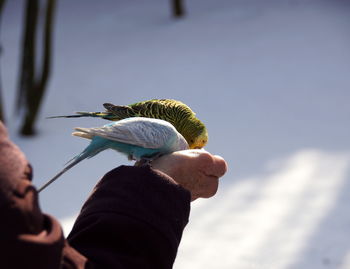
pixel 195 133
pixel 198 141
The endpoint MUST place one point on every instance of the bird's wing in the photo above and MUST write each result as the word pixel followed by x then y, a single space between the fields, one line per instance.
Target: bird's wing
pixel 143 132
pixel 122 112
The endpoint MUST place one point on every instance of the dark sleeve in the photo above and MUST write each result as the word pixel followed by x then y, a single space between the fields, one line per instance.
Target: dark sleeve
pixel 133 219
pixel 30 239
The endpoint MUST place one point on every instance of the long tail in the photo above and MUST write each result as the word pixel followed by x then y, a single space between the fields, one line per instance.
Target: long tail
pixel 69 166
pixel 97 145
pixel 84 114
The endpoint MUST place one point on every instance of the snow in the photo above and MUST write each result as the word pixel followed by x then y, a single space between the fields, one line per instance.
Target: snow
pixel 270 79
pixel 287 218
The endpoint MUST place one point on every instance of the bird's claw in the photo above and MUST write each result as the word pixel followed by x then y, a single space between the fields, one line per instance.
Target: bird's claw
pixel 147 161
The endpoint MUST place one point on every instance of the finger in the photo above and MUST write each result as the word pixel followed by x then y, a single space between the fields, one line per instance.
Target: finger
pixel 220 166
pixel 212 165
pixel 209 186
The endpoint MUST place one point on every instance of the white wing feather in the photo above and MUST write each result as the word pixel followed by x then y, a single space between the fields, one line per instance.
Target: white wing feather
pixel 139 131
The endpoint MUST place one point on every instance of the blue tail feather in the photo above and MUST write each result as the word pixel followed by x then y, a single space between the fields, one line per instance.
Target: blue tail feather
pixel 96 146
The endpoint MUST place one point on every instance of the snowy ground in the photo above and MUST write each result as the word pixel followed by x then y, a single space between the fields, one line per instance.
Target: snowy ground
pixel 269 78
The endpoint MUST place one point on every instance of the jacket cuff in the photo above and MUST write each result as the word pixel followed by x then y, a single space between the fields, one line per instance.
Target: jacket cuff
pixel 142 193
pixel 132 208
pixel 43 250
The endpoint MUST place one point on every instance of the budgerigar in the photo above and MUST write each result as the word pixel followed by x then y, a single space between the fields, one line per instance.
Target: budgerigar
pixel 139 138
pixel 173 111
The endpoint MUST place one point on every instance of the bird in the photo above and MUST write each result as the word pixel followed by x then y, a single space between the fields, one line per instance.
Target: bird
pixel 176 112
pixel 139 138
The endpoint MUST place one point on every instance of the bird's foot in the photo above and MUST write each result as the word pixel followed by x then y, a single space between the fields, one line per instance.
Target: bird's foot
pixel 143 162
pixel 147 161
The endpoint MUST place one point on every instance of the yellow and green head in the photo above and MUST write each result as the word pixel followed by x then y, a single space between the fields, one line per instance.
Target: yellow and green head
pixel 199 141
pixel 195 133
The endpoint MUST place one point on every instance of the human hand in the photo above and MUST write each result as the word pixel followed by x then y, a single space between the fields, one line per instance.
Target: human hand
pixel 195 170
